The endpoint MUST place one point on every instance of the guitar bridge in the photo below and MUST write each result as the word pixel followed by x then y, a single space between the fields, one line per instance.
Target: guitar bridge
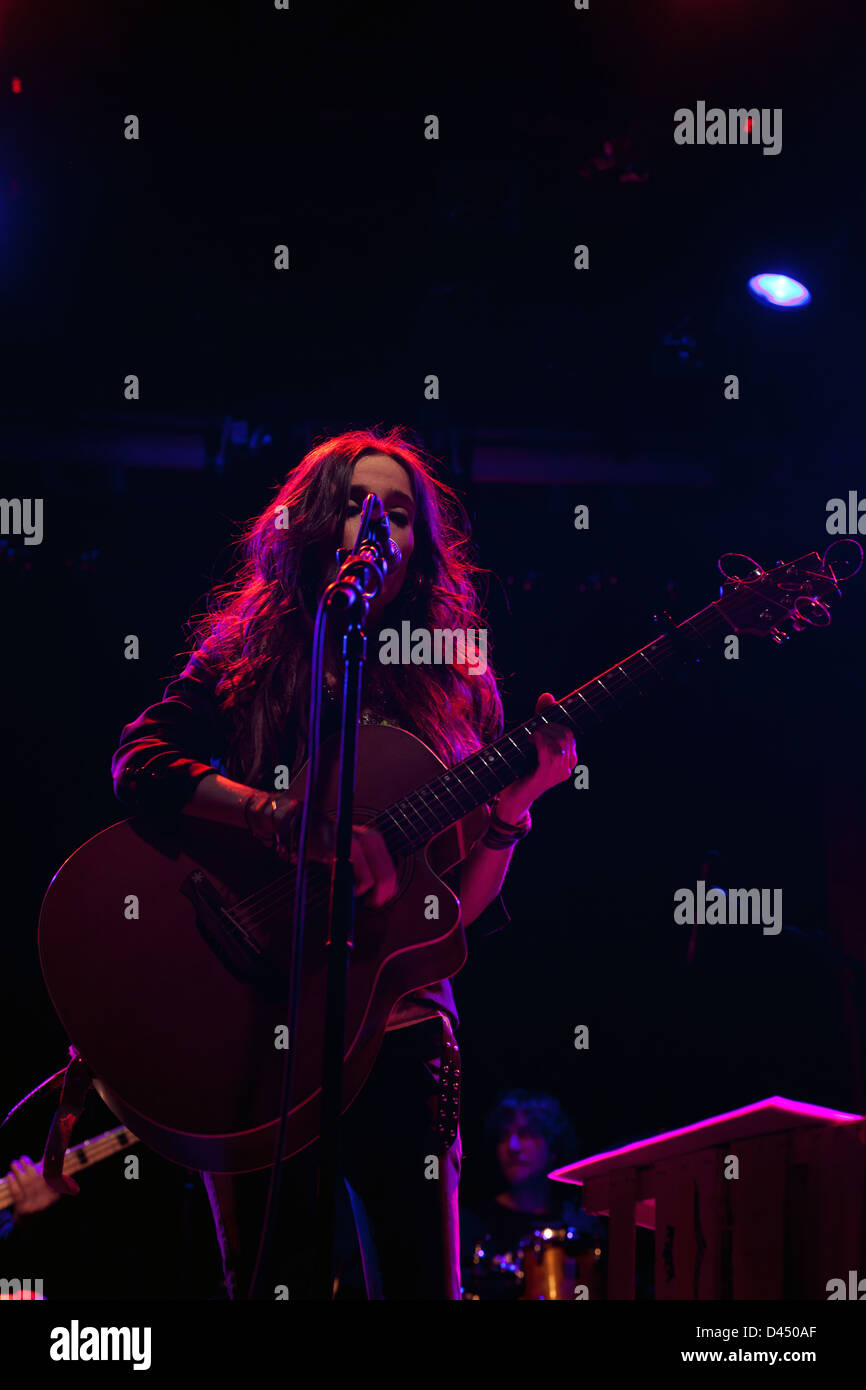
pixel 225 936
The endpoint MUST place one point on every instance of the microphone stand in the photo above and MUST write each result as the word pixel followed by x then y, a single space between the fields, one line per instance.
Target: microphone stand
pixel 360 578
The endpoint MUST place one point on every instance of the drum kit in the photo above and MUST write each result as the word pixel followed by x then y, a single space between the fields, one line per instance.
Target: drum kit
pixel 554 1262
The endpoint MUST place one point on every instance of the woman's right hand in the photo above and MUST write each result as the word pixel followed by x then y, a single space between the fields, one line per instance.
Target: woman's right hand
pixel 278 817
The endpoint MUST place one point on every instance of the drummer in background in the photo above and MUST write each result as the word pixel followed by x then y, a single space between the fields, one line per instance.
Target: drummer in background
pixel 532 1135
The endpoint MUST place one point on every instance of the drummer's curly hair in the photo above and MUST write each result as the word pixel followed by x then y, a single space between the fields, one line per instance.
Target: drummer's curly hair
pixel 544 1114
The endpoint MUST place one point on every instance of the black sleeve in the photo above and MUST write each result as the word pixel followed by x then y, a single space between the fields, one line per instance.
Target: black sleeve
pixel 170 747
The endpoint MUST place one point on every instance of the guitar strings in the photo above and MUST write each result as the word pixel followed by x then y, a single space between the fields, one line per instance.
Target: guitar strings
pixel 258 905
pixel 261 903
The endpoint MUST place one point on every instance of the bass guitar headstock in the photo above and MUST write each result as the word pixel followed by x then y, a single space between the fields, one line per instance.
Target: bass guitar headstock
pixel 774 603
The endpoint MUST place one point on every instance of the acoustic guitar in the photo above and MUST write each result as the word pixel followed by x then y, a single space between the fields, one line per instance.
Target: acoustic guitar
pixel 165 951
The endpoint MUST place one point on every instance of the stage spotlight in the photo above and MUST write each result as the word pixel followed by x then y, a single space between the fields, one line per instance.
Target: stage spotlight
pixel 779 291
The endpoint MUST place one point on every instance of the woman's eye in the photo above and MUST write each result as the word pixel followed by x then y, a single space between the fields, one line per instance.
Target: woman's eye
pixel 398 518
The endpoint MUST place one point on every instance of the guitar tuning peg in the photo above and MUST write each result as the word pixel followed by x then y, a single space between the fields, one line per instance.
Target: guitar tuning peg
pixel 754 571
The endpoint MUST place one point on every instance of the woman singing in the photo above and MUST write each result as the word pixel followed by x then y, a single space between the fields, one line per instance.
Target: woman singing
pixel 239 710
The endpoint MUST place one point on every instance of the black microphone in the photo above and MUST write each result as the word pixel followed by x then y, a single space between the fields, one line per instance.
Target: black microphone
pixel 362 570
pixel 375 527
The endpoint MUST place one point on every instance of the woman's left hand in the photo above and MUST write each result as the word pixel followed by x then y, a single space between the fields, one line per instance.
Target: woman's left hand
pixel 557 759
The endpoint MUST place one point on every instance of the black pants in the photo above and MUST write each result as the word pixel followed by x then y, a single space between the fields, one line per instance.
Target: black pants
pixel 401 1164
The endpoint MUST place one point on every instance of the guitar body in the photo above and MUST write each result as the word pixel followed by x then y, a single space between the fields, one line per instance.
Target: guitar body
pixel 176 1009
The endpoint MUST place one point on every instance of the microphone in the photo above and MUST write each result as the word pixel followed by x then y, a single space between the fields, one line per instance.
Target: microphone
pixel 376 528
pixel 374 555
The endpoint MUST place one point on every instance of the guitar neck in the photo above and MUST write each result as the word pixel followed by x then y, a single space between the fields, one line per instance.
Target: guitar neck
pixel 82 1156
pixel 409 824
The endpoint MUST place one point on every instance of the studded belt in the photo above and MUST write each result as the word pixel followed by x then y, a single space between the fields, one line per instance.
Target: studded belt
pixel 448 1110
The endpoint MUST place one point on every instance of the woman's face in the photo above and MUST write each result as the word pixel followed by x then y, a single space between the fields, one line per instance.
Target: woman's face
pixel 390 481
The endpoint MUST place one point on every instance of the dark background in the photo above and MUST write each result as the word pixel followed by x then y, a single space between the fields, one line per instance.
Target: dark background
pixel 455 257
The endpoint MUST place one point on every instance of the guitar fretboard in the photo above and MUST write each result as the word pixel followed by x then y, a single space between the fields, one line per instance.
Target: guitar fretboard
pixel 409 824
pixel 91 1151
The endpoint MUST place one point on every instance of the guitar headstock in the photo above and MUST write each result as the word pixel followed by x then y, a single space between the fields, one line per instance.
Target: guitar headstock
pixel 766 603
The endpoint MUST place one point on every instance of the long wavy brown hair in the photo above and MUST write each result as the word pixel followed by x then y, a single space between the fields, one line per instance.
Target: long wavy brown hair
pixel 257 632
